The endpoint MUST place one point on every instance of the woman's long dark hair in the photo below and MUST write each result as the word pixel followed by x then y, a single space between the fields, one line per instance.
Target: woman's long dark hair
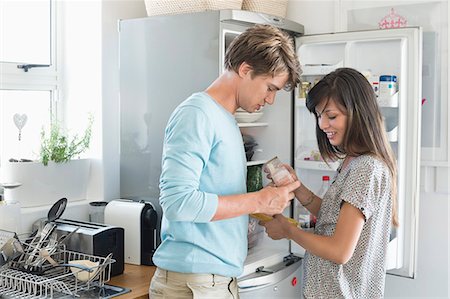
pixel 365 133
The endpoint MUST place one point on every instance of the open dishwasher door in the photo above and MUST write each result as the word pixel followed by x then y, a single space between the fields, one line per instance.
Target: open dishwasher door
pixel 282 280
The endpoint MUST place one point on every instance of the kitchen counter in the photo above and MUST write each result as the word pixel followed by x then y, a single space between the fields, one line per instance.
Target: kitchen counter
pixel 136 278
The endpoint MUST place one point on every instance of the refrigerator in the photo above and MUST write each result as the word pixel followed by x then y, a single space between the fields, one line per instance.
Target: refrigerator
pixel 164 59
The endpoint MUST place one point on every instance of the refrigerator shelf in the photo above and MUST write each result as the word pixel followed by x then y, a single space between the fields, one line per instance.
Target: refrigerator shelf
pixel 391 101
pixel 249 125
pixel 320 69
pixel 316 165
pixel 258 162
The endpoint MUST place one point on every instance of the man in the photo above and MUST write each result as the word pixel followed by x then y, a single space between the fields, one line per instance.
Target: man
pixel 203 179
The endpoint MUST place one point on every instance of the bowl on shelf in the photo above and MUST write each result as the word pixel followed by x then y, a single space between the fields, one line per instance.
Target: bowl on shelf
pixel 245 117
pixel 261 108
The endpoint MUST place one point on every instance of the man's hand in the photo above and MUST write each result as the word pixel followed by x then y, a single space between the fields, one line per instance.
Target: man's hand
pixel 273 200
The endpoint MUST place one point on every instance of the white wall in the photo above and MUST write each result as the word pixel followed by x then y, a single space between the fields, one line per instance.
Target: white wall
pixel 433 260
pixel 91 79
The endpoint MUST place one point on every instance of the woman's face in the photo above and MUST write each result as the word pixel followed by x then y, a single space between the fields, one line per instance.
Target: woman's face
pixel 332 121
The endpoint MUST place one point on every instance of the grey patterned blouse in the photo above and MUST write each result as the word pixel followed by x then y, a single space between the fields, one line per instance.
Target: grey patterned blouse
pixel 366 184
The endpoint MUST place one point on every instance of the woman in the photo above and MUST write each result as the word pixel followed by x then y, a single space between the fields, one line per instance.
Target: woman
pixel 346 255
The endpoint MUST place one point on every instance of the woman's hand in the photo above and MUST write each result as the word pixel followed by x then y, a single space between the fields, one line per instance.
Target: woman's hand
pixel 278 228
pixel 291 171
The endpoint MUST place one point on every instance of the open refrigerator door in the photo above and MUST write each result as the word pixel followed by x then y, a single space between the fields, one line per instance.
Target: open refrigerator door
pixel 391 61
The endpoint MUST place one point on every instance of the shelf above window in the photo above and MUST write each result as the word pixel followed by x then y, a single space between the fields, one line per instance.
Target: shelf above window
pixel 249 125
pixel 316 165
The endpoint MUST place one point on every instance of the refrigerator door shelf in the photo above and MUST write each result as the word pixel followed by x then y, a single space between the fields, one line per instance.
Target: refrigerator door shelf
pixel 316 165
pixel 320 69
pixel 393 135
pixel 389 101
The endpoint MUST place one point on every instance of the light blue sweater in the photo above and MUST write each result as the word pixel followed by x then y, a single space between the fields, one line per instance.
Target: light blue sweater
pixel 203 157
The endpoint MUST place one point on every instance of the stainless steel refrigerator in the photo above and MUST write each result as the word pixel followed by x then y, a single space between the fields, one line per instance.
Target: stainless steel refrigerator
pixel 164 59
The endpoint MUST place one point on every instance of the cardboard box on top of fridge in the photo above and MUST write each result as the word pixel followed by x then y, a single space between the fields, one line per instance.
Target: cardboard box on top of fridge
pixel 170 7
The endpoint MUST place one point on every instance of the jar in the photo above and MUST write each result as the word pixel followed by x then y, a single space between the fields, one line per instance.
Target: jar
pixel 304 89
pixel 387 85
pixel 279 173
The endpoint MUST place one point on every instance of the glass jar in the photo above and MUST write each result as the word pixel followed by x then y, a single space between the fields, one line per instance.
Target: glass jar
pixel 279 173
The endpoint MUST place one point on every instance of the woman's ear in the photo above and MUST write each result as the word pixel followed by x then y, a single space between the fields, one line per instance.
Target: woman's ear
pixel 244 69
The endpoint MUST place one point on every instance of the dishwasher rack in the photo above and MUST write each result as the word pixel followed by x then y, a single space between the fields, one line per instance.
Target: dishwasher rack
pixel 54 282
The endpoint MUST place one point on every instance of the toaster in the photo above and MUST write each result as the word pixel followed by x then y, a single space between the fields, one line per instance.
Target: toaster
pixel 139 220
pixel 93 239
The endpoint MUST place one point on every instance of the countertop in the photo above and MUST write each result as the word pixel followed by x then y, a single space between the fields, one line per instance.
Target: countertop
pixel 134 277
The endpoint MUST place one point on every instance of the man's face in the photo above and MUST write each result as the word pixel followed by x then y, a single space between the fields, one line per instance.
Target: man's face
pixel 255 92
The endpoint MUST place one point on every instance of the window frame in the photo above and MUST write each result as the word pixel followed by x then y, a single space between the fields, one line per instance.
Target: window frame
pixel 47 78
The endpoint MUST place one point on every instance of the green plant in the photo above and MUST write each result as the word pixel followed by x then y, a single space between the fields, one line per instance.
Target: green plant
pixel 58 147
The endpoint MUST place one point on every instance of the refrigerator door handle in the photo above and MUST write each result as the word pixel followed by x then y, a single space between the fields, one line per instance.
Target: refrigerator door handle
pixel 253 286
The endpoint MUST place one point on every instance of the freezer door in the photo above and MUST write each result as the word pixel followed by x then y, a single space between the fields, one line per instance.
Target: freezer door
pixel 374 53
pixel 281 280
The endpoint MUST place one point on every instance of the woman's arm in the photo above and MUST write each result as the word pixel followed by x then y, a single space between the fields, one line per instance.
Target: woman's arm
pixel 308 199
pixel 305 196
pixel 337 248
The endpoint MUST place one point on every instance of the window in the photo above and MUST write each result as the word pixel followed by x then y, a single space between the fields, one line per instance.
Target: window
pixel 28 77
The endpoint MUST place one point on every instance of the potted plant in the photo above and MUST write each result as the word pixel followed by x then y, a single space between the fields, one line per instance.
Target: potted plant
pixel 58 173
pixel 59 148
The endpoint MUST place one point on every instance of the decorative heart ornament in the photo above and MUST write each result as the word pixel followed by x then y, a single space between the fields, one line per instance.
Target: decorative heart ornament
pixel 20 120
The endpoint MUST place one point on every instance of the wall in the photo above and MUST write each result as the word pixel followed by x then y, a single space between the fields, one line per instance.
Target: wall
pixel 433 277
pixel 91 81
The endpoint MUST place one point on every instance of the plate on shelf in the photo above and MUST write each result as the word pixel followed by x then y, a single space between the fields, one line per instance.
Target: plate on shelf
pixel 245 117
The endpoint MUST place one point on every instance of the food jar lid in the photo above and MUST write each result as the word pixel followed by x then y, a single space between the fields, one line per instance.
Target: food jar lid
pixel 388 78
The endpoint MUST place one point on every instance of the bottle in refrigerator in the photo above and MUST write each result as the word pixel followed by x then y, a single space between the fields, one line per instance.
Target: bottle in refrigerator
pixel 321 193
pixel 324 187
pixel 304 217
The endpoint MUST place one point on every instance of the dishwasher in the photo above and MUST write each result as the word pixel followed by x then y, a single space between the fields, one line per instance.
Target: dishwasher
pixel 280 280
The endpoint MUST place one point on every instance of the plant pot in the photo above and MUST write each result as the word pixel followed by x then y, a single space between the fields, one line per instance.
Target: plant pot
pixel 43 185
